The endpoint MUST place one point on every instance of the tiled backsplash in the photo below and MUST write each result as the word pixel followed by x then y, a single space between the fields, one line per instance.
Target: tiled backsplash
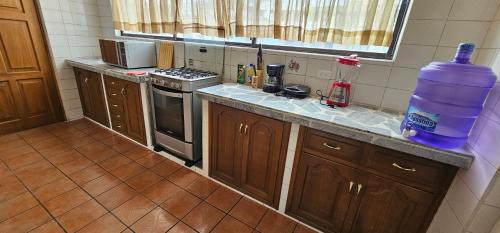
pixel 433 30
pixel 73 27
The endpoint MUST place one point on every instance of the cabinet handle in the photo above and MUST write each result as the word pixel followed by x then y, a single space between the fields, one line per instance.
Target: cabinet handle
pixel 404 168
pixel 86 80
pixel 360 186
pixel 246 129
pixel 117 116
pixel 114 105
pixel 118 126
pixel 350 186
pixel 241 126
pixel 112 83
pixel 123 91
pixel 114 94
pixel 331 147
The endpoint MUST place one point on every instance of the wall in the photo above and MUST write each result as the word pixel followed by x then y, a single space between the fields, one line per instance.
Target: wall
pixel 434 29
pixel 73 27
pixel 473 202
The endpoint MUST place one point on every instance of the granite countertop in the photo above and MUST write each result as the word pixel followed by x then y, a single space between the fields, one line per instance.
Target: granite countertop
pixel 359 123
pixel 97 65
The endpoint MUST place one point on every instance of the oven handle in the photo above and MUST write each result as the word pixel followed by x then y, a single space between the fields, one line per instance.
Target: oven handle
pixel 166 93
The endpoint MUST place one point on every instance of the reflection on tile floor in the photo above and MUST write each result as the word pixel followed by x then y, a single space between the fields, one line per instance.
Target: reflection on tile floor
pixel 80 177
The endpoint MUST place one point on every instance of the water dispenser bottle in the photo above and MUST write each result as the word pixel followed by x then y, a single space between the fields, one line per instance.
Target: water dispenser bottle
pixel 447 100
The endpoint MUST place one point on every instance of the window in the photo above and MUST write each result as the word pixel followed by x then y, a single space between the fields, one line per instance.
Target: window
pixel 367 27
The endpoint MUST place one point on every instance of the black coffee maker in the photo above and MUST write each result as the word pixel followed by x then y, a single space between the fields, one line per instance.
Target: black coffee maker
pixel 274 78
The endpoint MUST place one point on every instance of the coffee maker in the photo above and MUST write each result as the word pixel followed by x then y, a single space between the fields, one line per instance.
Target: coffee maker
pixel 274 78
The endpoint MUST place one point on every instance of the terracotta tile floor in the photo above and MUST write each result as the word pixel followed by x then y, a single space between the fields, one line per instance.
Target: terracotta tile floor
pixel 80 177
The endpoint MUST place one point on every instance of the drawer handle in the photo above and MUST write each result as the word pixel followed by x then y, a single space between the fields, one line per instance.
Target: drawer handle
pixel 114 94
pixel 360 186
pixel 350 186
pixel 404 168
pixel 331 147
pixel 118 126
pixel 246 129
pixel 117 116
pixel 241 126
pixel 112 83
pixel 114 105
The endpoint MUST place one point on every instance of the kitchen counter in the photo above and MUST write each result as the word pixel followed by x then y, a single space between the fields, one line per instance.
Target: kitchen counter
pixel 359 123
pixel 97 65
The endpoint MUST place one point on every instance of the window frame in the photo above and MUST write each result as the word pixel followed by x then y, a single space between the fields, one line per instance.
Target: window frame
pixel 389 55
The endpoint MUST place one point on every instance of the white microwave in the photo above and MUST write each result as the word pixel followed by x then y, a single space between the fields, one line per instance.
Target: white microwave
pixel 128 54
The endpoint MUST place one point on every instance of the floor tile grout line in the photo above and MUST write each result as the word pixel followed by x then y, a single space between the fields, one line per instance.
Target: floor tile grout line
pixel 92 198
pixel 36 198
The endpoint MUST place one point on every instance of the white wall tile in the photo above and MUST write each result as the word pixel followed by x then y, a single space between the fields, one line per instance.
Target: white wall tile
pixel 373 75
pixel 456 32
pixel 479 176
pixel 461 200
pixel 49 4
pixel 321 68
pixel 496 65
pixel 317 84
pixel 492 39
pixel 493 196
pixel 395 99
pixel 445 219
pixel 423 32
pixel 238 58
pixel 474 10
pixel 302 61
pixel 486 57
pixel 414 56
pixel 403 78
pixel 485 219
pixel 367 94
pixel 294 78
pixel 431 9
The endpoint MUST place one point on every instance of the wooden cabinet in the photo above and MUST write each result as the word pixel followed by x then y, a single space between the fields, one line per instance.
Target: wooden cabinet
pixel 125 108
pixel 341 185
pixel 91 95
pixel 248 152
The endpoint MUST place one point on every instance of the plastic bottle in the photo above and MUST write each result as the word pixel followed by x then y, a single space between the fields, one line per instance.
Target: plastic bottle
pixel 447 100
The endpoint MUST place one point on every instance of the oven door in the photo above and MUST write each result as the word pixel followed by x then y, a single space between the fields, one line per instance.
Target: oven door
pixel 173 113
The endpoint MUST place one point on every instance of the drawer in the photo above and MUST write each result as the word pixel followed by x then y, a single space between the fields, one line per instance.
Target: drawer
pixel 112 82
pixel 321 143
pixel 118 126
pixel 114 93
pixel 115 107
pixel 406 168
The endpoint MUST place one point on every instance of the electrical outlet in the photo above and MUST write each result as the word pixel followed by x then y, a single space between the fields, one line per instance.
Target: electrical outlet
pixel 325 74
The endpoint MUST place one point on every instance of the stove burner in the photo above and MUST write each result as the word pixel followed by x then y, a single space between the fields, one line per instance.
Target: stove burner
pixel 186 73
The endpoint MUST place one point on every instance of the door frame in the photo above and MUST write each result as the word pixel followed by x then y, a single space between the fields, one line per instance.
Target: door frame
pixel 59 113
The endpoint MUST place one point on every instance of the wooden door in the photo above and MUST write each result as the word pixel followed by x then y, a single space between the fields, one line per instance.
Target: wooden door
pixel 226 125
pixel 321 192
pixel 385 206
pixel 28 92
pixel 134 116
pixel 261 174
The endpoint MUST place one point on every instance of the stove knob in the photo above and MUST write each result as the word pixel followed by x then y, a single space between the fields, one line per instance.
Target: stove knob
pixel 178 85
pixel 172 85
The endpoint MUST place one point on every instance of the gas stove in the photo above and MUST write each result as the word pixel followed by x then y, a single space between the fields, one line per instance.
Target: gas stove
pixel 184 79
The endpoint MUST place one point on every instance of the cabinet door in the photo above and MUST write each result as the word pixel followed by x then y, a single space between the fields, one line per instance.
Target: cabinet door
pixel 261 157
pixel 321 193
pixel 226 138
pixel 384 206
pixel 82 81
pixel 96 96
pixel 133 111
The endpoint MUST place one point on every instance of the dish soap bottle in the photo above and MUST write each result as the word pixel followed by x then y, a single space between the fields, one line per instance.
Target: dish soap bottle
pixel 447 100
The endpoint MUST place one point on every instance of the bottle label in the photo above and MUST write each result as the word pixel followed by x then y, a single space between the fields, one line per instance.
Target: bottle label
pixel 422 120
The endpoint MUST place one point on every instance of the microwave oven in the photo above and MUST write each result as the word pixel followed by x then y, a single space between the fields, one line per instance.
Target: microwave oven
pixel 128 54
